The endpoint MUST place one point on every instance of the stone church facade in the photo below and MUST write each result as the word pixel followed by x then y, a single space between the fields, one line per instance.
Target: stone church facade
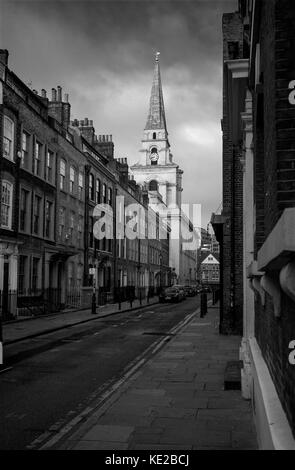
pixel 157 172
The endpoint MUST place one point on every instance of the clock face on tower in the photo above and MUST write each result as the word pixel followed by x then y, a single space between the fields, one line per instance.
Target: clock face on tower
pixel 154 156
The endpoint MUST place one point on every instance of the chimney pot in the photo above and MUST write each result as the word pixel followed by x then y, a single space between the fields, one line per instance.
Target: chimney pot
pixel 91 122
pixel 59 93
pixel 43 93
pixel 66 98
pixel 86 121
pixel 81 123
pixel 53 90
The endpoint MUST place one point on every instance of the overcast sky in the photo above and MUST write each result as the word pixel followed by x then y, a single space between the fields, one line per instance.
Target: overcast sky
pixel 102 54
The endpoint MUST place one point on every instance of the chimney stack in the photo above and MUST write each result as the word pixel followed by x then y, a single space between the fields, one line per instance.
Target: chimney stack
pixel 43 93
pixel 59 110
pixel 59 93
pixel 103 143
pixel 4 56
pixel 66 99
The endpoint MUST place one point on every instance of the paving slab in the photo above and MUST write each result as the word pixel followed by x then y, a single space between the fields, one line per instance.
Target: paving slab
pixel 109 433
pixel 177 401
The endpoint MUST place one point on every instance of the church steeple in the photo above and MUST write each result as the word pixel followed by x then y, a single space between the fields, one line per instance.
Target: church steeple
pixel 156 168
pixel 156 117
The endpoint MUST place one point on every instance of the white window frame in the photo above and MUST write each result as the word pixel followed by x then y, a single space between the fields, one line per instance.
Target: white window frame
pixel 4 204
pixel 62 174
pixel 72 179
pixel 10 139
pixel 81 185
pixel 25 148
pixel 49 165
pixel 37 158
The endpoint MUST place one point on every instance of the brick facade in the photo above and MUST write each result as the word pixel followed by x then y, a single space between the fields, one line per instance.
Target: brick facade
pixel 274 171
pixel 53 174
pixel 232 238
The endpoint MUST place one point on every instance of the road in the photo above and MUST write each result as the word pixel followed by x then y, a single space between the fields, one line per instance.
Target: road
pixel 56 376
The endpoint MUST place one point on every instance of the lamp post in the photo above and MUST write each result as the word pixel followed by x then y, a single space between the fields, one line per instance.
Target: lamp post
pixel 161 259
pixel 93 304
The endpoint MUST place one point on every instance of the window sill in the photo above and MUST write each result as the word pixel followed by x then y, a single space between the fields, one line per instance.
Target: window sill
pixel 276 259
pixel 279 247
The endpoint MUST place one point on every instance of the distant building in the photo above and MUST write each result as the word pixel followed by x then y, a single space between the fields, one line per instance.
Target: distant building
pixel 215 247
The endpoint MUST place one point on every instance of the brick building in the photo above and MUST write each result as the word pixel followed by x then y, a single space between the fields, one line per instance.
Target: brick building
pixel 265 114
pixel 271 81
pixel 228 225
pixel 54 171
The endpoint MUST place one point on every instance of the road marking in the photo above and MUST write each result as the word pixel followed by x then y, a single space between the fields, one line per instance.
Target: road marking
pixel 110 391
pixel 15 415
pixel 5 370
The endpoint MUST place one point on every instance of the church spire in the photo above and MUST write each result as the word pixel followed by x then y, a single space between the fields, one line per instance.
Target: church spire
pixel 156 117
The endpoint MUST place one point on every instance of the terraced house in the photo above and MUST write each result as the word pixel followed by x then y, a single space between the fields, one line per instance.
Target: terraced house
pixel 53 172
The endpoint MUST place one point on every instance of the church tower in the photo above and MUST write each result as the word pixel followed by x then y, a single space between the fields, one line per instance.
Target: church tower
pixel 155 169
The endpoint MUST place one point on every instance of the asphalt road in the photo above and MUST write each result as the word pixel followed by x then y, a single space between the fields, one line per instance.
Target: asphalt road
pixel 56 376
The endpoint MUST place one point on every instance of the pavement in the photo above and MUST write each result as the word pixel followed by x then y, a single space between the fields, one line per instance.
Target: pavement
pixel 175 401
pixel 31 327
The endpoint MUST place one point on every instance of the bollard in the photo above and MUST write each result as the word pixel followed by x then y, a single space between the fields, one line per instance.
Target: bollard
pixel 1 345
pixel 119 300
pixel 93 306
pixel 203 304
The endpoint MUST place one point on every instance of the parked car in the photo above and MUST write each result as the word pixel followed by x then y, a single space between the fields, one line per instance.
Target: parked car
pixel 181 289
pixel 171 294
pixel 189 291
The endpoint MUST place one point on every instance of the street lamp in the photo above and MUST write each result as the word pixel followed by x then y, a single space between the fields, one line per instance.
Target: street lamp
pixel 93 272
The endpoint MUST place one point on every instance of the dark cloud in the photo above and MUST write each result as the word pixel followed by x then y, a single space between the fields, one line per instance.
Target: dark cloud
pixel 101 52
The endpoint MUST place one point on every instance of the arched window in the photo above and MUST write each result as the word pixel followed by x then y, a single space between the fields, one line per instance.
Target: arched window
pixel 6 204
pixel 97 191
pixel 91 187
pixel 154 135
pixel 153 186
